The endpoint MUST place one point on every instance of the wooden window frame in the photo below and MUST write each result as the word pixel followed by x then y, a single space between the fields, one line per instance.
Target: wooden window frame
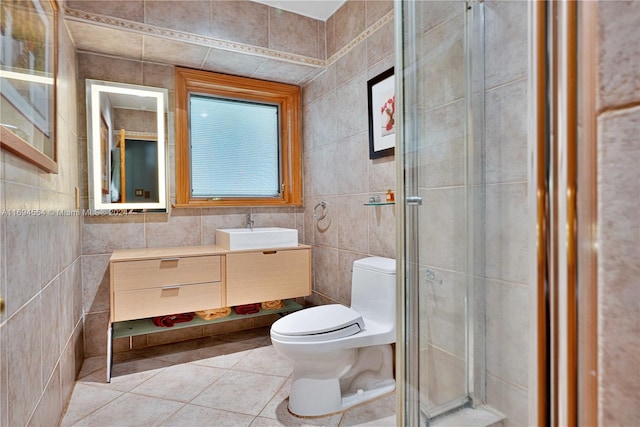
pixel 286 96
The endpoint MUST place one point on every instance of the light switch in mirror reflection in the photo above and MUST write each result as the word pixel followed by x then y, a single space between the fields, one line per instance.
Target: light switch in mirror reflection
pixel 127 146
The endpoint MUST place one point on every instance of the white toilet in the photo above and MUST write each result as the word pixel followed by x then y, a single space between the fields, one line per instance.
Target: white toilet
pixel 343 356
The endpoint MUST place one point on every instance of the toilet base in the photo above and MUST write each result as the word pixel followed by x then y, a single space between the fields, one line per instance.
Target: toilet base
pixel 332 403
pixel 371 376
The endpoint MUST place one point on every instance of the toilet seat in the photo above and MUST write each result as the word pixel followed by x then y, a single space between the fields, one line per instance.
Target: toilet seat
pixel 322 323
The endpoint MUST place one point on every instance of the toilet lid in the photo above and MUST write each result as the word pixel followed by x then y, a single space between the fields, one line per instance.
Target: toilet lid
pixel 333 319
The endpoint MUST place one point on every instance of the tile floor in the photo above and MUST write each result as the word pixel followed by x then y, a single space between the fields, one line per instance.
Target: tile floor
pixel 232 380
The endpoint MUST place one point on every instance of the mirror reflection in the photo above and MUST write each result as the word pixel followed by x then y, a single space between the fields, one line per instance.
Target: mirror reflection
pixel 126 128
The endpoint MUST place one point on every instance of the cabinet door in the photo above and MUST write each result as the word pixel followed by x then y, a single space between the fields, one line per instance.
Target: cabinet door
pixel 268 275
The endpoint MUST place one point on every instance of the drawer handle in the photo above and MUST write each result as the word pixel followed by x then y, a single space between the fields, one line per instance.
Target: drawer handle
pixel 171 287
pixel 169 259
pixel 269 252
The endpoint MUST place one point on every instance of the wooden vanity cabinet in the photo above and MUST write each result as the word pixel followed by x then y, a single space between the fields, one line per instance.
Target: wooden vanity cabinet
pixel 268 275
pixel 172 282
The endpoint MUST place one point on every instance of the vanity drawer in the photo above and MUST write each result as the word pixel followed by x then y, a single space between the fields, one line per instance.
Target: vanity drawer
pixel 154 273
pixel 269 275
pixel 166 300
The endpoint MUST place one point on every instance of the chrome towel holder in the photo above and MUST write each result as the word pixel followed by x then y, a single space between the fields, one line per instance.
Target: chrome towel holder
pixel 323 213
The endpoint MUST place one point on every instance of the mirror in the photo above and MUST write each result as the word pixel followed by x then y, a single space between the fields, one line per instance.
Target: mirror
pixel 126 146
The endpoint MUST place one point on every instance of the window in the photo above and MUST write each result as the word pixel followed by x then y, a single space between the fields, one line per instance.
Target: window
pixel 237 141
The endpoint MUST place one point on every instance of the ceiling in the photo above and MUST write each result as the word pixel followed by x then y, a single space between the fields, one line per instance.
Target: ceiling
pixel 317 9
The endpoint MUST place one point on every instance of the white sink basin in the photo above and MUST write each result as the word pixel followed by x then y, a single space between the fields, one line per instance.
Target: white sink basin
pixel 258 238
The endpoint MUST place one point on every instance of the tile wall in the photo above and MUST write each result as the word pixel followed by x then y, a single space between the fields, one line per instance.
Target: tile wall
pixel 337 168
pixel 618 122
pixel 344 178
pixel 41 329
pixel 506 178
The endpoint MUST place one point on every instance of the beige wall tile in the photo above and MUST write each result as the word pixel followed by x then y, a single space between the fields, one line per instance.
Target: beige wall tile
pixel 156 49
pixel 506 331
pixel 93 38
pixel 319 127
pixel 506 133
pixel 382 230
pixel 349 22
pixel 100 67
pixel 102 235
pixel 441 73
pixel 132 10
pixel 351 64
pixel 380 44
pixel 241 21
pixel 431 14
pixel 506 52
pixel 190 16
pixel 325 274
pixel 506 238
pixel 330 29
pixel 24 359
pixel 51 405
pixel 223 61
pixel 510 399
pixel 443 375
pixel 95 283
pixel 284 72
pixel 376 9
pixel 181 227
pixel 619 265
pixel 22 276
pixel 351 107
pixel 290 32
pixel 320 86
pixel 352 225
pixel 618 53
pixel 95 334
pixel 442 150
pixel 443 228
pixel 443 321
pixel 50 328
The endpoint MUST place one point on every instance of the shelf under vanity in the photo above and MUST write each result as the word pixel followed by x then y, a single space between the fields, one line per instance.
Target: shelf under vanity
pixel 131 328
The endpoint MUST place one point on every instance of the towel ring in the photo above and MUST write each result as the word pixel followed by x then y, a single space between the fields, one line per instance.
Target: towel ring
pixel 324 211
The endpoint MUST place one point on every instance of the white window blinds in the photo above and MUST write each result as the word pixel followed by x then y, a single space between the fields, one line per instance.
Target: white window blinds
pixel 234 148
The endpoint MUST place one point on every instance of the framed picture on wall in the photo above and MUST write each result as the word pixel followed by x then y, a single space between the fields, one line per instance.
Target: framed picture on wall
pixel 382 119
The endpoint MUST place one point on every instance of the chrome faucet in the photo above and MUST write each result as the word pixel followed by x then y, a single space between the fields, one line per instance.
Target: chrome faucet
pixel 249 221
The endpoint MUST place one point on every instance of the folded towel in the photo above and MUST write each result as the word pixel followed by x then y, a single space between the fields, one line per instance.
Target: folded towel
pixel 214 313
pixel 247 308
pixel 172 319
pixel 272 305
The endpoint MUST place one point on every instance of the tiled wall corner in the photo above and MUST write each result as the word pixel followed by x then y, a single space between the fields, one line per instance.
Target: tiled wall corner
pixel 39 258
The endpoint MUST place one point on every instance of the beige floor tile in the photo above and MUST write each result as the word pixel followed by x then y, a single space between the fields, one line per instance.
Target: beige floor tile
pixel 126 376
pixel 193 416
pixel 180 382
pixel 132 410
pixel 85 400
pixel 377 413
pixel 242 392
pixel 265 360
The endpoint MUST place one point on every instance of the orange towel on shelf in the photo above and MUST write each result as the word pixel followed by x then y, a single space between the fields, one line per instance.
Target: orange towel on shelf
pixel 247 308
pixel 213 313
pixel 172 319
pixel 272 305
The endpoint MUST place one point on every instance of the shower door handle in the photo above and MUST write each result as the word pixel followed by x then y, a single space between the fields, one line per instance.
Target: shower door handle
pixel 414 200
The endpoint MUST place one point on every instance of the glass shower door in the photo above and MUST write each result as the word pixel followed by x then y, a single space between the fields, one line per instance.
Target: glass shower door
pixel 443 209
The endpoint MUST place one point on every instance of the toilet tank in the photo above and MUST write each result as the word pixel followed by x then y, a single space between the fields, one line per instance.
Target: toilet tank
pixel 373 288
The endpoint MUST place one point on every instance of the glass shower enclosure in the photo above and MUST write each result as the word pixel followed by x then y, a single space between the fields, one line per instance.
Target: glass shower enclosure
pixel 440 228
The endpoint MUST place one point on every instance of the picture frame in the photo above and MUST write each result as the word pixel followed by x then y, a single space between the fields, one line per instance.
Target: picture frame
pixel 382 125
pixel 28 75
